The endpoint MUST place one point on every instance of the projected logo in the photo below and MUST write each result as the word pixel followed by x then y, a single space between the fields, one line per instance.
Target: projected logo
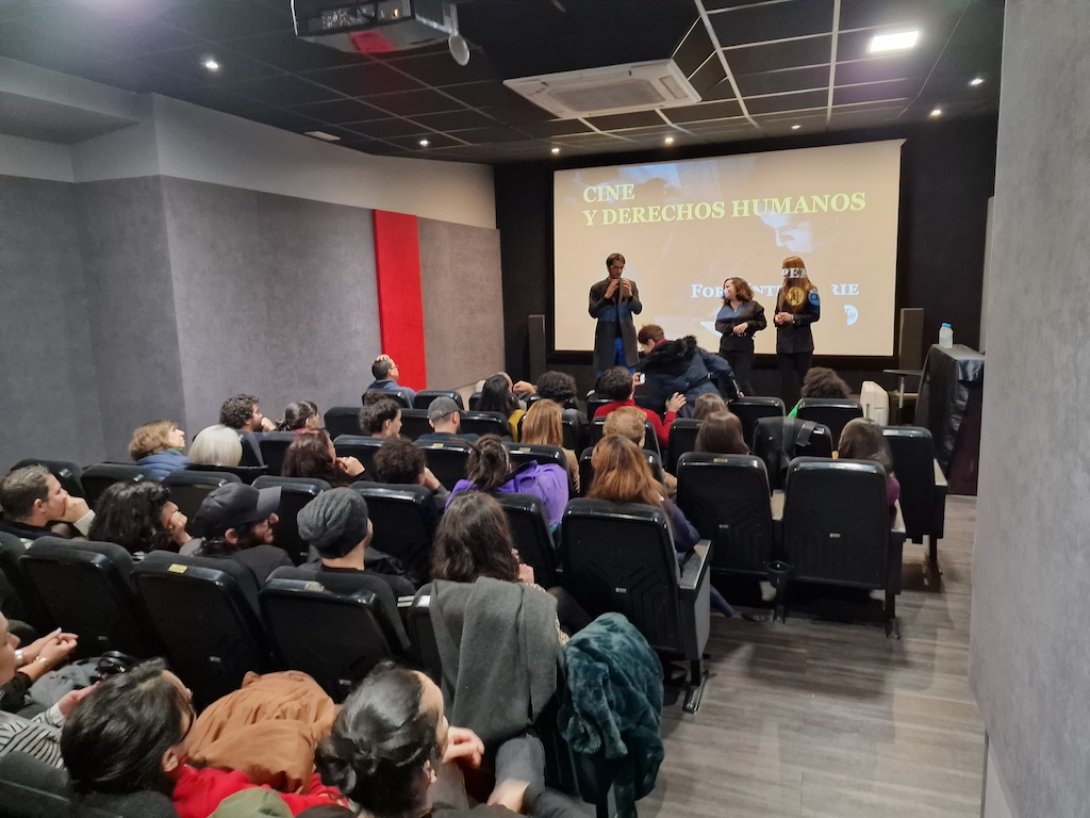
pixel 851 314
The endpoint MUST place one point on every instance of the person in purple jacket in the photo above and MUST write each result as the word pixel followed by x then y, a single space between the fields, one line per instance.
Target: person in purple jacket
pixel 489 470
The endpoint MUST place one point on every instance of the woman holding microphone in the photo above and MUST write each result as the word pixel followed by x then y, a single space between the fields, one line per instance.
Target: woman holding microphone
pixel 738 319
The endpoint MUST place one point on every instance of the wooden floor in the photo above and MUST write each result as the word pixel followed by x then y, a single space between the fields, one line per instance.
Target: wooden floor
pixel 816 718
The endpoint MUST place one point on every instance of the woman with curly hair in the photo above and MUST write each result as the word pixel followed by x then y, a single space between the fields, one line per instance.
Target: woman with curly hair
pixel 140 517
pixel 158 447
pixel 739 319
pixel 311 454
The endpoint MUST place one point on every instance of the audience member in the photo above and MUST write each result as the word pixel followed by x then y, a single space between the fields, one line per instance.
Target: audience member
pixel 630 423
pixel 158 446
pixel 821 382
pixel 617 384
pixel 721 433
pixel 446 422
pixel 543 425
pixel 301 416
pixel 489 471
pixel 312 455
pixel 385 373
pixel 38 736
pixel 216 445
pixel 392 754
pixel 560 387
pixel 36 504
pixel 337 525
pixel 129 735
pixel 243 413
pixel 399 461
pixel 497 396
pixel 140 517
pixel 862 439
pixel 238 521
pixel 704 406
pixel 680 366
pixel 621 475
pixel 381 419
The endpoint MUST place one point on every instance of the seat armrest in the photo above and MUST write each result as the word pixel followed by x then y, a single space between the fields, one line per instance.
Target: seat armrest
pixel 940 478
pixel 777 500
pixel 897 528
pixel 695 568
pixel 938 506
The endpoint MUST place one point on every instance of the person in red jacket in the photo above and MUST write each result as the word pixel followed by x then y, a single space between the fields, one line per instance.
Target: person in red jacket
pixel 617 385
pixel 129 735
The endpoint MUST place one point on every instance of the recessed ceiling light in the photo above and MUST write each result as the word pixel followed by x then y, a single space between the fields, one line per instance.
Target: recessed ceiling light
pixel 975 81
pixel 935 113
pixel 325 137
pixel 423 143
pixel 555 151
pixel 668 140
pixel 211 64
pixel 893 41
pixel 795 127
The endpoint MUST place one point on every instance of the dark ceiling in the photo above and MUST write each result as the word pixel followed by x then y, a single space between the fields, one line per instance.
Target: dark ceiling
pixel 766 66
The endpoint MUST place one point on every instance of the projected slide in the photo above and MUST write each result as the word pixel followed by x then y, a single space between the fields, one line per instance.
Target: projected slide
pixel 686 226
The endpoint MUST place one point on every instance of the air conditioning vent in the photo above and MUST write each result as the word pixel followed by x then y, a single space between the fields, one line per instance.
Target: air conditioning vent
pixel 614 89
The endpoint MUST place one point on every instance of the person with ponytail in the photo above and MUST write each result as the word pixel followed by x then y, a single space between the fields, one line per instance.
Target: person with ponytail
pixel 798 305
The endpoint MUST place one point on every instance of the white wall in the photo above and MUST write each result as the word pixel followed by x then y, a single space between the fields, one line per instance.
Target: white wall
pixel 32 159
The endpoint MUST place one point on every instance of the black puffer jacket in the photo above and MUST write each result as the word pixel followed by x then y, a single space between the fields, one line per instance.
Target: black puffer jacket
pixel 682 366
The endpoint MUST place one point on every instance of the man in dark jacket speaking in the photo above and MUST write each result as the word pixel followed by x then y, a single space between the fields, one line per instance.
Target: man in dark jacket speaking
pixel 681 366
pixel 613 301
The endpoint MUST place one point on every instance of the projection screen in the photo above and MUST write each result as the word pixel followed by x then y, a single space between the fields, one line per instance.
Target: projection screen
pixel 686 226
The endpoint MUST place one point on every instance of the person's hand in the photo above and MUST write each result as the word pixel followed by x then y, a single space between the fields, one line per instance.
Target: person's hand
pixel 675 403
pixel 612 288
pixel 463 745
pixel 31 651
pixel 70 699
pixel 741 328
pixel 350 466
pixel 626 288
pixel 268 425
pixel 524 388
pixel 526 574
pixel 784 318
pixel 56 649
pixel 509 793
pixel 75 509
pixel 431 482
pixel 176 526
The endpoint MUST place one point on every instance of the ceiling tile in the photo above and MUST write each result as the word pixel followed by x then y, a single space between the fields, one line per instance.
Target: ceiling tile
pixel 484 94
pixel 364 79
pixel 434 141
pixel 291 53
pixel 554 127
pixel 787 102
pixel 441 69
pixel 517 112
pixel 455 120
pixel 388 128
pixel 877 69
pixel 787 79
pixel 224 19
pixel 875 91
pixel 717 5
pixel 341 110
pixel 895 13
pixel 760 23
pixel 708 76
pixel 790 54
pixel 636 119
pixel 415 102
pixel 694 49
pixel 480 136
pixel 286 89
pixel 286 120
pixel 188 62
pixel 708 110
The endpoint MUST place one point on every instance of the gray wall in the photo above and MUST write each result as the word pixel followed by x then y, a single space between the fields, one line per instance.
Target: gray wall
pixel 460 276
pixel 48 394
pixel 1031 594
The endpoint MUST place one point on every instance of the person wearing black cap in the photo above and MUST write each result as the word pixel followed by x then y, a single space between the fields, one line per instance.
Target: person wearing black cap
pixel 238 521
pixel 446 421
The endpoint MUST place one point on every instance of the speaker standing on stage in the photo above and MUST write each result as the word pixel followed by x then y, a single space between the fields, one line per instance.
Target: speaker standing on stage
pixel 738 319
pixel 798 305
pixel 613 301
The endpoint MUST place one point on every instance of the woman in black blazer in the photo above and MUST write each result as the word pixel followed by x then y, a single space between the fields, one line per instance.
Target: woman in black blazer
pixel 738 319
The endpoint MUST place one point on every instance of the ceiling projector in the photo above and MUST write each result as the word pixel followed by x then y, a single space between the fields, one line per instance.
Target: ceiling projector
pixel 379 26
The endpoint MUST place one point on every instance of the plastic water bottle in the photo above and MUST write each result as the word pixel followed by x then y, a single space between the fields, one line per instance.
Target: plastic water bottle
pixel 946 336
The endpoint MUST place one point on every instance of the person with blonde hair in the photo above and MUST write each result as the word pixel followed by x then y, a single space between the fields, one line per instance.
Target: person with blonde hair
pixel 543 426
pixel 798 306
pixel 628 422
pixel 707 404
pixel 216 445
pixel 158 446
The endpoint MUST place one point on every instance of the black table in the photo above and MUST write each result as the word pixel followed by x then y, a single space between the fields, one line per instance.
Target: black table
pixel 949 406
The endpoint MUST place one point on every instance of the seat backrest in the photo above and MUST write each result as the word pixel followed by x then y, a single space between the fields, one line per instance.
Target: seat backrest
pixel 202 609
pixel 424 397
pixel 447 459
pixel 361 447
pixel 274 448
pixel 247 474
pixel 343 420
pixel 530 531
pixel 334 627
pixel 251 448
pixel 750 410
pixel 295 492
pixel 68 474
pixel 189 488
pixel 11 551
pixel 683 432
pixel 404 520
pixel 85 588
pixel 475 401
pixel 594 402
pixel 521 453
pixel 396 395
pixel 575 427
pixel 620 557
pixel 485 423
pixel 414 422
pixel 913 452
pixel 422 635
pixel 836 522
pixel 99 477
pixel 777 440
pixel 726 498
pixel 832 412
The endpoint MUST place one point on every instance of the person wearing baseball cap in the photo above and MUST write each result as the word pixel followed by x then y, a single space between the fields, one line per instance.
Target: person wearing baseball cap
pixel 239 521
pixel 446 420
